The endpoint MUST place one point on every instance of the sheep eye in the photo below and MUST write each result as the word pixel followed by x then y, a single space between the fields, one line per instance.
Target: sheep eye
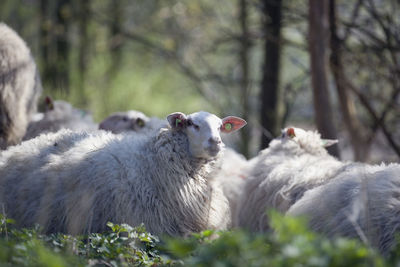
pixel 140 123
pixel 190 123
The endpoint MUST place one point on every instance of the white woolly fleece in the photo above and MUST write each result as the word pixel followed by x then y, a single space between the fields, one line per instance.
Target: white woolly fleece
pixel 296 176
pixel 20 87
pixel 62 116
pixel 281 174
pixel 231 175
pixel 77 182
pixel 362 202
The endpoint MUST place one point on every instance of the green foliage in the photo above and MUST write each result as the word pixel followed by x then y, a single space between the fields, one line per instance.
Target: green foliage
pixel 288 244
pixel 139 84
pixel 123 245
pixel 26 247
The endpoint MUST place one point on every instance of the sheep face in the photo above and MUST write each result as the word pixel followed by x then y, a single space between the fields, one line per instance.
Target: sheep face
pixel 124 121
pixel 203 131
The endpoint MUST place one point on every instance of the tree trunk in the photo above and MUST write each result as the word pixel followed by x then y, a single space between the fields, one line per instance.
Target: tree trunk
pixel 116 38
pixel 272 10
pixel 348 111
pixel 63 14
pixel 84 44
pixel 318 43
pixel 44 42
pixel 244 81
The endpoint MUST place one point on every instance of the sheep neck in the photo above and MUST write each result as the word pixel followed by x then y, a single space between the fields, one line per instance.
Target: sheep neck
pixel 181 181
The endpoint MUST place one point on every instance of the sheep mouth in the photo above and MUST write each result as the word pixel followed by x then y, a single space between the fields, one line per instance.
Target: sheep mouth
pixel 213 151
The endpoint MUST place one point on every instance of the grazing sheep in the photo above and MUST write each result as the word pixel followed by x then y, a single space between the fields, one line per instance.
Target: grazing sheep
pixel 280 175
pixel 20 87
pixel 131 120
pixel 60 115
pixel 363 201
pixel 75 182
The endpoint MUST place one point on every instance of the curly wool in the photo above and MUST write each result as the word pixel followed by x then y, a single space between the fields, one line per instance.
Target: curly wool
pixel 361 202
pixel 280 174
pixel 62 116
pixel 77 182
pixel 231 174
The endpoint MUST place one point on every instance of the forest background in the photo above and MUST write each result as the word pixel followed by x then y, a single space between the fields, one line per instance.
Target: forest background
pixel 330 65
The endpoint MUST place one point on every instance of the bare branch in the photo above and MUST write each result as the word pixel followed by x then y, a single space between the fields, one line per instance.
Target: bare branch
pixel 363 99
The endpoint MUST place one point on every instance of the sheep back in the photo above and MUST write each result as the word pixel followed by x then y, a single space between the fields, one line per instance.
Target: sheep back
pixel 362 202
pixel 278 178
pixel 81 181
pixel 63 116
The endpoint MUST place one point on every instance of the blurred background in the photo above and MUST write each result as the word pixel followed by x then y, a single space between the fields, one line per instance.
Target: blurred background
pixel 328 65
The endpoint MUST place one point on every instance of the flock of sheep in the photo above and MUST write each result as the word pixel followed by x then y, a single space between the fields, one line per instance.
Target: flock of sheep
pixel 61 170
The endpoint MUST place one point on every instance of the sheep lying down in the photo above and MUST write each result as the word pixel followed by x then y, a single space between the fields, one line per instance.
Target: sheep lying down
pixel 231 167
pixel 129 121
pixel 363 202
pixel 281 173
pixel 297 177
pixel 58 115
pixel 76 182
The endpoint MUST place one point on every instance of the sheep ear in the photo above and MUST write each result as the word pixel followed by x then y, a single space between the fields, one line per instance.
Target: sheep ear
pixel 290 132
pixel 329 142
pixel 140 122
pixel 48 101
pixel 231 124
pixel 177 120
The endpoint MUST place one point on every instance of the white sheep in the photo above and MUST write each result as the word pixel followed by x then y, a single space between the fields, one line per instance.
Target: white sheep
pixel 59 115
pixel 363 201
pixel 76 182
pixel 20 87
pixel 230 175
pixel 131 120
pixel 280 174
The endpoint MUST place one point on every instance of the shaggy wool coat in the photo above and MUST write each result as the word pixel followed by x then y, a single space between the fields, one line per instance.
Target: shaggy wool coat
pixel 20 87
pixel 77 182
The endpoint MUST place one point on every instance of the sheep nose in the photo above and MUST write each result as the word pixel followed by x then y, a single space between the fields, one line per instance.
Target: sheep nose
pixel 215 140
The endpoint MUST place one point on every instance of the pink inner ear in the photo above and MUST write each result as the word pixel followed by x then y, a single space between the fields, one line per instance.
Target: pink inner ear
pixel 231 124
pixel 290 132
pixel 49 103
pixel 177 119
pixel 48 100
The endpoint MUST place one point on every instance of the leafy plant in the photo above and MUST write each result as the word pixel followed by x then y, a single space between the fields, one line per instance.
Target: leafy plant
pixel 289 243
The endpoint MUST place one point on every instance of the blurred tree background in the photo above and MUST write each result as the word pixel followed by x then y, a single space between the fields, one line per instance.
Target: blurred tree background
pixel 331 65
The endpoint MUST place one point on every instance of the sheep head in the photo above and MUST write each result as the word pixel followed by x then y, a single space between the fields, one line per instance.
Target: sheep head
pixel 124 121
pixel 310 141
pixel 49 103
pixel 203 131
